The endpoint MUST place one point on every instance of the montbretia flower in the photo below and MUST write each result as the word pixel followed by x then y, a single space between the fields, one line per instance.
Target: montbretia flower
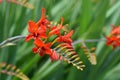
pixel 115 30
pixel 43 22
pixel 114 41
pixel 38 30
pixel 42 48
pixel 41 33
pixel 56 29
pixel 66 38
pixel 114 38
pixel 35 31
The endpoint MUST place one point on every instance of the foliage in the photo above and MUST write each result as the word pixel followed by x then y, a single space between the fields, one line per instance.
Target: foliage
pixel 90 19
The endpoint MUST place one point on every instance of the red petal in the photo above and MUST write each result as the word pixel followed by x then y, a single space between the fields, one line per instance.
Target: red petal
pixel 115 30
pixel 42 16
pixel 108 43
pixel 29 37
pixel 67 40
pixel 59 39
pixel 55 31
pixel 48 51
pixel 35 49
pixel 32 27
pixel 43 35
pixel 113 41
pixel 118 43
pixel 42 29
pixel 52 28
pixel 70 33
pixel 38 43
pixel 43 13
pixel 114 38
pixel 48 45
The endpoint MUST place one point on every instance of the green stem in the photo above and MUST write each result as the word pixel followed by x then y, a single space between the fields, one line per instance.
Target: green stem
pixel 11 40
pixel 89 40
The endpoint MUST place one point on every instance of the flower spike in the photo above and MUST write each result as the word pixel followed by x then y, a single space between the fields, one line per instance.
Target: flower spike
pixel 42 30
pixel 9 69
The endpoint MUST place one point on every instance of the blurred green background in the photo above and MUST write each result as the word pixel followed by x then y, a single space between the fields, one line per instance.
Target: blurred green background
pixel 90 19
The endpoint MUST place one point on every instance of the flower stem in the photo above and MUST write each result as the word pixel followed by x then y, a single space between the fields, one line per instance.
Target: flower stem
pixel 89 40
pixel 11 40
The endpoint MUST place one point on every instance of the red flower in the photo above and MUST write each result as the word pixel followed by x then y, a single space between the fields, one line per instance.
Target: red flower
pixel 38 30
pixel 114 38
pixel 35 31
pixel 114 41
pixel 43 21
pixel 56 29
pixel 66 38
pixel 115 30
pixel 42 48
pixel 41 30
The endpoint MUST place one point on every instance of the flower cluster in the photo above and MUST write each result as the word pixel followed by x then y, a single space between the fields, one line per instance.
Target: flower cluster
pixel 41 31
pixel 59 48
pixel 38 32
pixel 114 38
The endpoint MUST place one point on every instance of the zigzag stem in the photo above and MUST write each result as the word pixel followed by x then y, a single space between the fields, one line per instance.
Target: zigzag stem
pixel 12 71
pixel 68 54
pixel 90 54
pixel 74 60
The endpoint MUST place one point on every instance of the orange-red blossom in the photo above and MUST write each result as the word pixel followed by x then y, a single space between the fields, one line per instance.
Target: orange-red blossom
pixel 114 38
pixel 41 31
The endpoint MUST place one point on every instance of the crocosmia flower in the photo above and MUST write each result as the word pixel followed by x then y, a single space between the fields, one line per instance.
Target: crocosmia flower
pixel 114 41
pixel 114 38
pixel 56 29
pixel 66 38
pixel 42 48
pixel 40 32
pixel 43 22
pixel 115 30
